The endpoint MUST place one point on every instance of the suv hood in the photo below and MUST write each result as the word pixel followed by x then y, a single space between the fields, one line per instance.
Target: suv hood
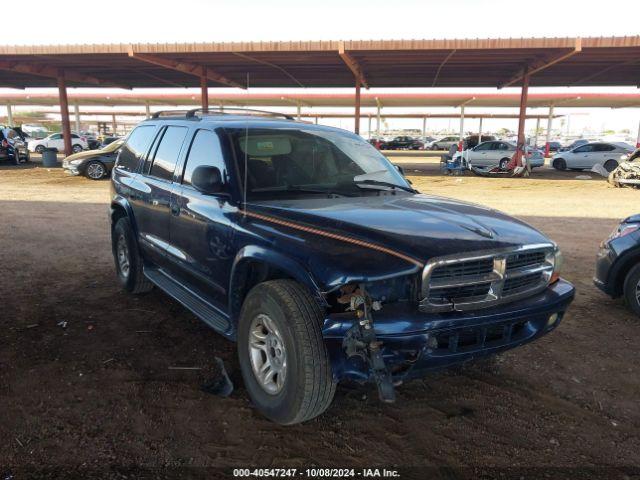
pixel 420 226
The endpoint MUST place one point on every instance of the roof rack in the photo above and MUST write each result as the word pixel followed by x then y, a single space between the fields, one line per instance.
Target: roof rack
pixel 236 111
pixel 170 113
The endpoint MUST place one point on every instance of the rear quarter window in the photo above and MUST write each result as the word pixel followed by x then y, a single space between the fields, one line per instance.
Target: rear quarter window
pixel 135 146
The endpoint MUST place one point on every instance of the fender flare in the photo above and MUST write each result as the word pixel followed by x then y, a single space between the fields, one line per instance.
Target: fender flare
pixel 119 201
pixel 274 259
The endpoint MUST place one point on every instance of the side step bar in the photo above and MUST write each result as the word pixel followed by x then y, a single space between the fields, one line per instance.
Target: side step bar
pixel 198 306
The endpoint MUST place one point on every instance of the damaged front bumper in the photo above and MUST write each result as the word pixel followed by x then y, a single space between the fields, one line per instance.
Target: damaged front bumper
pixel 414 342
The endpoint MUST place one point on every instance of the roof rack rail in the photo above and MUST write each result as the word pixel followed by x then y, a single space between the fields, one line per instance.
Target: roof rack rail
pixel 236 111
pixel 170 113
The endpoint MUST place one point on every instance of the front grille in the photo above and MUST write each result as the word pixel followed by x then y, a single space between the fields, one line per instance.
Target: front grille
pixel 483 279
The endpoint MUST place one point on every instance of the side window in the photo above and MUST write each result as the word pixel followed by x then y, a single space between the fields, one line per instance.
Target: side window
pixel 503 146
pixel 73 135
pixel 485 146
pixel 166 157
pixel 57 136
pixel 603 147
pixel 135 146
pixel 584 149
pixel 205 150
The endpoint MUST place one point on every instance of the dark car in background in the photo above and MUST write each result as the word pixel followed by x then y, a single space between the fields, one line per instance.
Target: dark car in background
pixel 403 143
pixel 13 145
pixel 553 147
pixel 93 164
pixel 474 140
pixel 574 144
pixel 618 263
pixel 305 245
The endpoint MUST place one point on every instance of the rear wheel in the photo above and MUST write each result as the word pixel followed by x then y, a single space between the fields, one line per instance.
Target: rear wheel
pixel 283 358
pixel 127 258
pixel 610 165
pixel 632 289
pixel 560 164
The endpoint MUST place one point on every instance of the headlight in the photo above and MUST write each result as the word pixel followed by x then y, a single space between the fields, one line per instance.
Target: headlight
pixel 558 260
pixel 623 230
pixel 75 162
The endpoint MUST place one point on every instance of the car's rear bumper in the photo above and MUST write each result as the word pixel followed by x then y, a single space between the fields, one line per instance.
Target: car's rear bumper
pixel 414 342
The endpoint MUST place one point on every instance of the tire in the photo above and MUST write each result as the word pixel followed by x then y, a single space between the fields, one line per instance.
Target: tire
pixel 560 164
pixel 124 247
pixel 632 289
pixel 77 148
pixel 284 321
pixel 503 163
pixel 610 165
pixel 95 170
pixel 39 149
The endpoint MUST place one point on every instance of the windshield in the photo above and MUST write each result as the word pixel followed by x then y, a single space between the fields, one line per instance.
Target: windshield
pixel 113 146
pixel 300 162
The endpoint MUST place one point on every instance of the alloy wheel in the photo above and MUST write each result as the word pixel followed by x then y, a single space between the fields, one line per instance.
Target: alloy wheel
pixel 95 171
pixel 122 252
pixel 268 354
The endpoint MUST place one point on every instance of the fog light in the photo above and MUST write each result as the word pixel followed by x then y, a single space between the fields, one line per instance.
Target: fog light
pixel 552 320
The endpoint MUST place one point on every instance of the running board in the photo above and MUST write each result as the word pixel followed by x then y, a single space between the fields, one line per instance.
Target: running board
pixel 198 306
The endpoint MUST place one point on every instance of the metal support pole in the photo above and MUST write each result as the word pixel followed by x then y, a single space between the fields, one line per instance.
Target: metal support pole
pixel 204 91
pixel 298 111
pixel 535 138
pixel 369 128
pixel 147 110
pixel 378 123
pixel 10 115
pixel 424 127
pixel 549 124
pixel 76 111
pixel 64 113
pixel 461 141
pixel 357 112
pixel 316 120
pixel 114 125
pixel 524 95
pixel 480 131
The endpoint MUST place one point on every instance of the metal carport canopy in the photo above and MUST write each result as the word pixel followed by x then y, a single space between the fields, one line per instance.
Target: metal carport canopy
pixel 605 61
pixel 292 97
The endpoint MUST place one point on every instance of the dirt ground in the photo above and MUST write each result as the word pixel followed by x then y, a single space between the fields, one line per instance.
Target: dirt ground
pixel 88 384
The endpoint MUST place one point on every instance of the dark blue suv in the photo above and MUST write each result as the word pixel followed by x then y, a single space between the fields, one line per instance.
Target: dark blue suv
pixel 310 249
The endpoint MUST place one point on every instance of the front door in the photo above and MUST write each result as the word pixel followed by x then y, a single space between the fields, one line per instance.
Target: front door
pixel 200 225
pixel 479 156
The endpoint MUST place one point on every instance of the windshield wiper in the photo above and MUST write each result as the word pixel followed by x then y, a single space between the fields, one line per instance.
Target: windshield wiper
pixel 300 189
pixel 381 183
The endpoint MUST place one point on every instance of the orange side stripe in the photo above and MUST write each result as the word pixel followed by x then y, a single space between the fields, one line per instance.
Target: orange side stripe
pixel 334 236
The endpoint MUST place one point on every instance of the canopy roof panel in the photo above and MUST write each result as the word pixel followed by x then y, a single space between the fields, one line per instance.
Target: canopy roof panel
pixel 385 63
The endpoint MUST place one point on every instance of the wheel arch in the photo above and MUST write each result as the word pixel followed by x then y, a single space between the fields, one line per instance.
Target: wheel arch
pixel 620 270
pixel 254 264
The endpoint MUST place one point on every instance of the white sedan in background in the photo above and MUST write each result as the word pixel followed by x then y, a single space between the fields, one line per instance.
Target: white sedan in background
pixel 498 154
pixel 55 140
pixel 585 157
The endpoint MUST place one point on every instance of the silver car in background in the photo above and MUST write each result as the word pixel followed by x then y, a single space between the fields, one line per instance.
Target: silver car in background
pixel 585 157
pixel 498 153
pixel 442 144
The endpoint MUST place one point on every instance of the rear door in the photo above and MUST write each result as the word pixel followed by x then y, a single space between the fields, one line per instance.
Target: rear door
pixel 201 229
pixel 55 141
pixel 155 187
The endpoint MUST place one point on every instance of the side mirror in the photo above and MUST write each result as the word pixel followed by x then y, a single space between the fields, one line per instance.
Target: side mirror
pixel 399 168
pixel 207 179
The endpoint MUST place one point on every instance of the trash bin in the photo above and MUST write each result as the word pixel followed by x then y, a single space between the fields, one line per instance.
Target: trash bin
pixel 50 157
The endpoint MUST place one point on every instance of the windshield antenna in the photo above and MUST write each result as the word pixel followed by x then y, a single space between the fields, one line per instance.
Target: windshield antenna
pixel 246 159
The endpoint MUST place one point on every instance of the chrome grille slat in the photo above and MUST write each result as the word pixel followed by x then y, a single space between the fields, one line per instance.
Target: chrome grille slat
pixel 464 282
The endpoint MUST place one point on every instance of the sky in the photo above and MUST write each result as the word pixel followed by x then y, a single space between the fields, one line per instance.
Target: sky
pixel 263 20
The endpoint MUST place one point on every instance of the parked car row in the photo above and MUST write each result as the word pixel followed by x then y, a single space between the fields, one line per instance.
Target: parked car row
pixel 13 145
pixel 55 140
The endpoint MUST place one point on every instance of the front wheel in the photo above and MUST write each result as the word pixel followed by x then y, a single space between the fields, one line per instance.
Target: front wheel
pixel 632 289
pixel 503 164
pixel 95 170
pixel 560 164
pixel 283 358
pixel 77 148
pixel 39 149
